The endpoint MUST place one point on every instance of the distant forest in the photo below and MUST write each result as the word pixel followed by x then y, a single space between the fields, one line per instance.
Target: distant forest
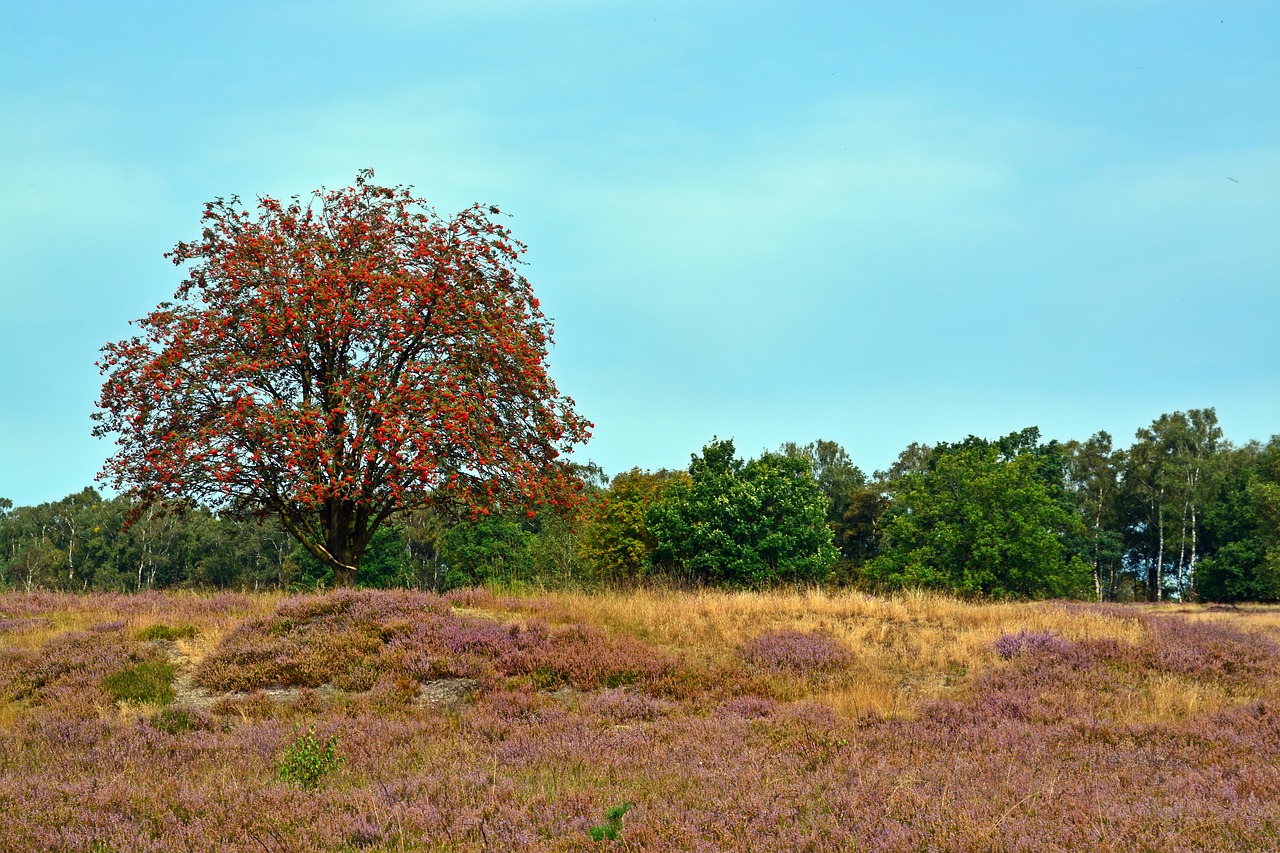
pixel 1180 514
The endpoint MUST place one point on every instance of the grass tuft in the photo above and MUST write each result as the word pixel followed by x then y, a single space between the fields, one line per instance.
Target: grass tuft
pixel 161 631
pixel 612 826
pixel 149 682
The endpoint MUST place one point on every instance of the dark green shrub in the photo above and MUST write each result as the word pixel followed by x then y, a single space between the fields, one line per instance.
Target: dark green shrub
pixel 149 681
pixel 172 720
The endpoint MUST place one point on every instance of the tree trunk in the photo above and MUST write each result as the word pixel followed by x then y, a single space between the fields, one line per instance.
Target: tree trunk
pixel 71 555
pixel 1191 570
pixel 1097 524
pixel 1156 575
pixel 1182 548
pixel 142 561
pixel 1160 553
pixel 343 563
pixel 344 576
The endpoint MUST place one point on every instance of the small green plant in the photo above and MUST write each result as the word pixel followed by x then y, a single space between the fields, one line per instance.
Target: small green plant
pixel 149 681
pixel 546 677
pixel 165 632
pixel 177 720
pixel 617 679
pixel 608 831
pixel 306 761
pixel 173 721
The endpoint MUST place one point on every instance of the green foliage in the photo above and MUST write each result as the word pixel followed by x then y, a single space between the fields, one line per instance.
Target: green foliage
pixel 1169 480
pixel 149 681
pixel 175 721
pixel 383 564
pixel 554 559
pixel 81 543
pixel 1093 472
pixel 744 524
pixel 494 548
pixel 1243 530
pixel 1180 513
pixel 307 760
pixel 985 518
pixel 612 826
pixel 161 631
pixel 854 505
pixel 615 543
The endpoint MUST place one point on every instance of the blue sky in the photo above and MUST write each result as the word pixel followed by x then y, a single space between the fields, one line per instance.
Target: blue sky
pixel 876 224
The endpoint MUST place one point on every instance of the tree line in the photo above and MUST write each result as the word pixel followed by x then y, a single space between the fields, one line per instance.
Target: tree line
pixel 371 378
pixel 1180 514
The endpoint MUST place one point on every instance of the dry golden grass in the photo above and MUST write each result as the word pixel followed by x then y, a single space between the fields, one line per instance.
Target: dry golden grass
pixel 1166 697
pixel 10 712
pixel 908 648
pixel 194 649
pixel 1260 618
pixel 82 613
pixel 50 626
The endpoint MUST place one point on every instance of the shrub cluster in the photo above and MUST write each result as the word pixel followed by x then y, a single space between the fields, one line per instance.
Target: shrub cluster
pixel 352 639
pixel 160 631
pixel 1029 642
pixel 796 652
pixel 307 759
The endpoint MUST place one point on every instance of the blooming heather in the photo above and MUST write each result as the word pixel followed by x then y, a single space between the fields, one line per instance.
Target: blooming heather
pixel 795 651
pixel 1049 747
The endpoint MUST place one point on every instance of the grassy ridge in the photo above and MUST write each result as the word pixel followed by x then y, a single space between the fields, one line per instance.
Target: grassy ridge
pixel 736 721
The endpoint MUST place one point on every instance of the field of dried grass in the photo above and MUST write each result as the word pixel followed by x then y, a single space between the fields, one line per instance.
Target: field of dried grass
pixel 652 720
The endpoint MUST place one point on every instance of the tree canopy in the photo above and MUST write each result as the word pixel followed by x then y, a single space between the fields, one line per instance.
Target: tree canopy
pixel 983 517
pixel 744 523
pixel 1180 513
pixel 338 362
pixel 1243 527
pixel 615 536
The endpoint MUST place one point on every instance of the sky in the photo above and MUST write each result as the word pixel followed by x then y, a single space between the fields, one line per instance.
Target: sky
pixel 870 223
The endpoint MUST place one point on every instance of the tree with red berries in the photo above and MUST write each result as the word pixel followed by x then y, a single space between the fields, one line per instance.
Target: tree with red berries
pixel 337 362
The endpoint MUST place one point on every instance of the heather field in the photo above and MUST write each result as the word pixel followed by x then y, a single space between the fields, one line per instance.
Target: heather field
pixel 652 720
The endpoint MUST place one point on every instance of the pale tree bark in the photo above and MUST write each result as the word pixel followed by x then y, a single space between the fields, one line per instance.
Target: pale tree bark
pixel 1097 525
pixel 1191 570
pixel 1157 574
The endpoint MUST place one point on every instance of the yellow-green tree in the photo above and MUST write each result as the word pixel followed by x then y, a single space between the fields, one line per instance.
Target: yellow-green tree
pixel 615 543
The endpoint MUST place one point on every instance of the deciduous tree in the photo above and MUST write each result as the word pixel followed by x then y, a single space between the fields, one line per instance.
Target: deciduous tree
pixel 1093 479
pixel 744 523
pixel 1242 524
pixel 615 543
pixel 1168 478
pixel 988 518
pixel 854 504
pixel 337 362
